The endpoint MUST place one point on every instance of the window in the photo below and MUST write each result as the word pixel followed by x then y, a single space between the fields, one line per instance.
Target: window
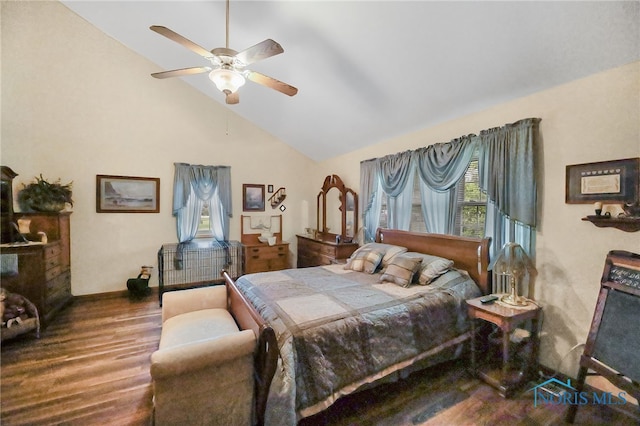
pixel 471 206
pixel 204 227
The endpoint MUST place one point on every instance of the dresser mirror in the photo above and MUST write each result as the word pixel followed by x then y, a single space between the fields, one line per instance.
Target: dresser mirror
pixel 337 211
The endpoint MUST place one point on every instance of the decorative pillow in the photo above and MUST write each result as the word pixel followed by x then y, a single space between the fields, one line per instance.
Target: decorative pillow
pixel 364 261
pixel 401 270
pixel 431 268
pixel 388 251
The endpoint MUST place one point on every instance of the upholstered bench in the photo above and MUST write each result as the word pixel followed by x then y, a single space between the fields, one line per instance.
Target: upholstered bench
pixel 203 370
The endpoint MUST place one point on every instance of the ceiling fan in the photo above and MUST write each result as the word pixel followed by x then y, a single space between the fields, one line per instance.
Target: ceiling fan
pixel 227 69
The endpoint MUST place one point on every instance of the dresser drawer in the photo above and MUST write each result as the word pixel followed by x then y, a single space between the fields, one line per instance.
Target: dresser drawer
pixel 52 251
pixel 266 258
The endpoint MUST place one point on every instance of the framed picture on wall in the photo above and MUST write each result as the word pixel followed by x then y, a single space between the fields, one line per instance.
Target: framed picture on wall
pixel 252 198
pixel 127 194
pixel 613 181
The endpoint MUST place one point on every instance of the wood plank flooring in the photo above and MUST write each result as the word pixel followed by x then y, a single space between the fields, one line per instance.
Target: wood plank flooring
pixel 91 367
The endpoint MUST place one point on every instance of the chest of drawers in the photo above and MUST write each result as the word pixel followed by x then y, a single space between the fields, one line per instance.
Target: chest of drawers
pixel 263 258
pixel 42 272
pixel 312 252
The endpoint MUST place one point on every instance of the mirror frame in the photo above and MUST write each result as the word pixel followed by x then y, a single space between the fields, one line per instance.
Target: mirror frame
pixel 334 181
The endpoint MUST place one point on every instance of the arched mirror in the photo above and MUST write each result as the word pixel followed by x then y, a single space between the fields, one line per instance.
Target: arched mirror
pixel 337 211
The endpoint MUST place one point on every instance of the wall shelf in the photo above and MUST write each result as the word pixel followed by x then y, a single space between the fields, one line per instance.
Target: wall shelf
pixel 627 224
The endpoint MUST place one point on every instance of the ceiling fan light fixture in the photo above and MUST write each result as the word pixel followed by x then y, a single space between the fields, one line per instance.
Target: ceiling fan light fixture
pixel 227 80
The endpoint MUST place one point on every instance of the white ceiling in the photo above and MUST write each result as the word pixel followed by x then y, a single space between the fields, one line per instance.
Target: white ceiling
pixel 368 71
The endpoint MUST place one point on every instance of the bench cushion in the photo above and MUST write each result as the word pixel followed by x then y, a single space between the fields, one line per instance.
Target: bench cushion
pixel 192 327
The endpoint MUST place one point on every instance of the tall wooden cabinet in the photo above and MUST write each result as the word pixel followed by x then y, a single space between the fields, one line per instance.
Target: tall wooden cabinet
pixel 42 273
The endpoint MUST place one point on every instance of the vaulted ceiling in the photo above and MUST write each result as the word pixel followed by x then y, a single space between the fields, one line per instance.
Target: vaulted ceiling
pixel 368 71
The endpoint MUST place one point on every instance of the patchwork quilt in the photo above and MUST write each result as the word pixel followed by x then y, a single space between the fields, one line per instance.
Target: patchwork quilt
pixel 339 329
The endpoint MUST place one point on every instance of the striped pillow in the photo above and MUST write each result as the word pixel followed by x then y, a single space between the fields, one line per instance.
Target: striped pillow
pixel 431 268
pixel 364 261
pixel 401 270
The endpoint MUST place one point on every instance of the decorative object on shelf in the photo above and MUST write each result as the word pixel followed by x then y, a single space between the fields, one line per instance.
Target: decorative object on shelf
pixel 606 181
pixel 598 208
pixel 252 197
pixel 513 262
pixel 278 197
pixel 632 209
pixel 44 196
pixel 127 194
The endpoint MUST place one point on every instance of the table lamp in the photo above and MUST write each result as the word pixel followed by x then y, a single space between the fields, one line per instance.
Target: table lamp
pixel 513 261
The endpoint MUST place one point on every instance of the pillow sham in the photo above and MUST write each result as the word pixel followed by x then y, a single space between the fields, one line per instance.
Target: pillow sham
pixel 431 267
pixel 401 270
pixel 388 251
pixel 364 260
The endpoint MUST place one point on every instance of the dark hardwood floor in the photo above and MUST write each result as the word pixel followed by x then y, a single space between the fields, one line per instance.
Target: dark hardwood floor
pixel 91 367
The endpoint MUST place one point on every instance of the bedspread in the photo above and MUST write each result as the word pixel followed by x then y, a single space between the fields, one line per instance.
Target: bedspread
pixel 338 329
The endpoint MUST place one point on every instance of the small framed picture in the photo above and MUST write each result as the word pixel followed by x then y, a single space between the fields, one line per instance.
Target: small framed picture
pixel 270 189
pixel 605 181
pixel 252 198
pixel 127 194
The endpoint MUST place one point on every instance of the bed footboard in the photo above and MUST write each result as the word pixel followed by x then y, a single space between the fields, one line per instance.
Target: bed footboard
pixel 266 357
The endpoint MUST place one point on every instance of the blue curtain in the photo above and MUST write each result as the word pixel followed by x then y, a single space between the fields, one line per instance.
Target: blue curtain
pixel 507 173
pixel 195 185
pixel 370 198
pixel 440 167
pixel 506 163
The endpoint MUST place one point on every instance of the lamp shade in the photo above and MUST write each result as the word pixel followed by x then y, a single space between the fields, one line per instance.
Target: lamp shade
pixel 512 260
pixel 227 80
pixel 513 263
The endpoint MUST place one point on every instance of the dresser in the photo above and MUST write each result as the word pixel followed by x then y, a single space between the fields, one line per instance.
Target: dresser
pixel 262 257
pixel 315 252
pixel 41 272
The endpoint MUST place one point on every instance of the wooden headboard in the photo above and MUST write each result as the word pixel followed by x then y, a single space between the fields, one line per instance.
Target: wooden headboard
pixel 470 254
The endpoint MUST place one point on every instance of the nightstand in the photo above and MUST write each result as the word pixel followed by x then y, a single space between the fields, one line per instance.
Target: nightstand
pixel 517 355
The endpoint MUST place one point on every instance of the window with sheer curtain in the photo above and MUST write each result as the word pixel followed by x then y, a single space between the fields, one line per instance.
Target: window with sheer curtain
pixel 202 201
pixel 476 185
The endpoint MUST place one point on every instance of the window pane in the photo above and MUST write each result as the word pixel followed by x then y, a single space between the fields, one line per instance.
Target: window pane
pixel 204 228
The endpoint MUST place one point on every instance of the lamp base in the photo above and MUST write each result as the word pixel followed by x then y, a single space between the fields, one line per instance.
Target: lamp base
pixel 511 299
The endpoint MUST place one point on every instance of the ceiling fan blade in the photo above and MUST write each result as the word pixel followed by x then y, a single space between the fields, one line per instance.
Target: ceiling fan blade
pixel 172 35
pixel 232 98
pixel 260 51
pixel 272 83
pixel 181 72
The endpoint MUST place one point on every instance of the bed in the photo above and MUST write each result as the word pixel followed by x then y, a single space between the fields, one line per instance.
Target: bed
pixel 328 331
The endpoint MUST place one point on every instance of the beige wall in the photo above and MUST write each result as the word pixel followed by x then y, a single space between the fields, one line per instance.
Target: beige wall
pixel 592 119
pixel 76 103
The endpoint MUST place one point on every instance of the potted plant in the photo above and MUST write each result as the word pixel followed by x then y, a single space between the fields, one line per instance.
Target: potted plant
pixel 44 196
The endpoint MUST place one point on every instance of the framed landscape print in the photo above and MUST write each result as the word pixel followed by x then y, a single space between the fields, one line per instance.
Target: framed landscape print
pixel 252 198
pixel 127 194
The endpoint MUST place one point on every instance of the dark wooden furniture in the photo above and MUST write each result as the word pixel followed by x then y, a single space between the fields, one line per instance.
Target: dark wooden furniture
pixel 627 224
pixel 44 270
pixel 336 199
pixel 315 252
pixel 470 254
pixel 260 256
pixel 613 342
pixel 6 204
pixel 506 374
pixel 266 358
